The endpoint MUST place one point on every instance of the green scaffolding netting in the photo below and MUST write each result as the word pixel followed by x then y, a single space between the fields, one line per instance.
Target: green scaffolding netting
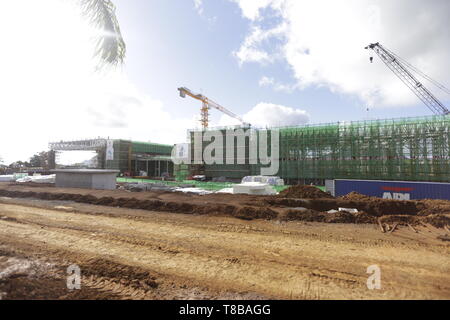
pixel 411 149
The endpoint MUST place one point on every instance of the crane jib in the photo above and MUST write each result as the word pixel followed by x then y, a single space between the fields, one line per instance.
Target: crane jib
pixel 402 70
pixel 206 104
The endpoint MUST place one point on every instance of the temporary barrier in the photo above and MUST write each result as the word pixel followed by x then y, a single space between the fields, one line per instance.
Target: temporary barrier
pixel 398 190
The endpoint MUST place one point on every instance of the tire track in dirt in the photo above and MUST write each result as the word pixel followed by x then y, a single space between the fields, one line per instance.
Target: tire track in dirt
pixel 133 242
pixel 124 231
pixel 278 265
pixel 234 225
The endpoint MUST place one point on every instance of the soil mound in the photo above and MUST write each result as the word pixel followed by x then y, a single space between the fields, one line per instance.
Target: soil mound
pixel 302 203
pixel 355 196
pixel 400 219
pixel 244 212
pixel 329 217
pixel 250 213
pixel 304 192
pixel 434 207
pixel 438 220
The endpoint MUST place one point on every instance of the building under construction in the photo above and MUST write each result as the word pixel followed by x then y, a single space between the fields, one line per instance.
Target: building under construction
pixel 410 149
pixel 130 157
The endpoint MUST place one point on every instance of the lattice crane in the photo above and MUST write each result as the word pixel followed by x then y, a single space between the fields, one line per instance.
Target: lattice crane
pixel 404 70
pixel 206 105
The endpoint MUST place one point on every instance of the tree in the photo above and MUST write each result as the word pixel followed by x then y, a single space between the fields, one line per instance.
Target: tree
pixel 19 164
pixel 41 159
pixel 110 47
pixel 35 161
pixel 2 167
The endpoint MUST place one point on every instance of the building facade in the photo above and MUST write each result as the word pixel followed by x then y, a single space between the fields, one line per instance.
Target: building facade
pixel 410 149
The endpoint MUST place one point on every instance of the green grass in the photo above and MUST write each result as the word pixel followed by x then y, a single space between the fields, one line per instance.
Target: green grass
pixel 321 188
pixel 210 186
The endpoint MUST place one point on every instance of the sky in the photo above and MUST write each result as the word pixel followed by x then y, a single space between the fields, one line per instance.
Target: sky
pixel 274 62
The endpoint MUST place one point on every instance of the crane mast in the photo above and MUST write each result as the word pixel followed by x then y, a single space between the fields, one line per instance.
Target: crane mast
pixel 394 63
pixel 206 105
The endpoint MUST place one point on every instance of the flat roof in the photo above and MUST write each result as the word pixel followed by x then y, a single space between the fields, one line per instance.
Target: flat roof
pixel 84 171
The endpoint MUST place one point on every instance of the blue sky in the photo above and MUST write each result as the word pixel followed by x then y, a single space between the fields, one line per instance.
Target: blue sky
pixel 170 44
pixel 274 62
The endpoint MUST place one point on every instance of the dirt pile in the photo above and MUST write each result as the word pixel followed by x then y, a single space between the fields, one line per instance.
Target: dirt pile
pixel 315 205
pixel 375 206
pixel 434 207
pixel 355 196
pixel 249 213
pixel 304 192
pixel 238 211
pixel 361 217
pixel 370 209
pixel 437 220
pixel 328 217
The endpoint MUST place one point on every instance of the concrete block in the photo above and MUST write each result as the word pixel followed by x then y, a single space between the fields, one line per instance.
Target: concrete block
pixel 86 178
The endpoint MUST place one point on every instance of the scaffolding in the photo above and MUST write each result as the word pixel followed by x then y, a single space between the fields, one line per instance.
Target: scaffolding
pixel 121 156
pixel 414 149
pixel 98 145
pixel 241 159
pixel 128 156
pixel 408 149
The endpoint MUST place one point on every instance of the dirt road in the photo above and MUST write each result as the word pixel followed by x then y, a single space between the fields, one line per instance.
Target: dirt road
pixel 137 254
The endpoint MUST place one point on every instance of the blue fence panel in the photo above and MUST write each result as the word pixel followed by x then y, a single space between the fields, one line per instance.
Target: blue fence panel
pixel 397 190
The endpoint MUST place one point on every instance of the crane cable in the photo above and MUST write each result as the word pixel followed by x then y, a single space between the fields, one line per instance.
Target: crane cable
pixel 416 70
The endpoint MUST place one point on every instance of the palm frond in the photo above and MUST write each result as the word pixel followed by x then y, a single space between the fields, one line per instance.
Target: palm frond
pixel 110 46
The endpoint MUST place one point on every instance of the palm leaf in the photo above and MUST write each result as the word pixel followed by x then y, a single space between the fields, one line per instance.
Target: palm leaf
pixel 110 46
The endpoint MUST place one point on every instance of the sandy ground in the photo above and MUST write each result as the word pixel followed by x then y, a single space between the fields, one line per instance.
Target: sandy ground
pixel 138 254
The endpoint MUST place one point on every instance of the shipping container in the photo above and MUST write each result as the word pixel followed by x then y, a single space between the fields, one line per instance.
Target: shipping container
pixel 398 190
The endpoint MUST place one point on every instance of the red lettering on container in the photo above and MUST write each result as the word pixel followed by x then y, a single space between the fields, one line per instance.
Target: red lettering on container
pixel 397 189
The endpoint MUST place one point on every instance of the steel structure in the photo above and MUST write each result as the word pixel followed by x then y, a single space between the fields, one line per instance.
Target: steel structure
pixel 98 145
pixel 78 145
pixel 206 105
pixel 404 149
pixel 410 149
pixel 128 156
pixel 403 70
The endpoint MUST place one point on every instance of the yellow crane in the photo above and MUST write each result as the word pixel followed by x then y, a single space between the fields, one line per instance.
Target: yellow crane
pixel 206 105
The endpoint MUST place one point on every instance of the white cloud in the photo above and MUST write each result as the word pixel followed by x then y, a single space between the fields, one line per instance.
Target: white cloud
pixel 50 92
pixel 323 43
pixel 251 8
pixel 266 81
pixel 198 4
pixel 251 50
pixel 269 115
pixel 275 85
pixel 199 7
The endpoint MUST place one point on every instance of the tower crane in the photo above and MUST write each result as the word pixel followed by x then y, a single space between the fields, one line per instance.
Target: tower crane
pixel 206 105
pixel 403 70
